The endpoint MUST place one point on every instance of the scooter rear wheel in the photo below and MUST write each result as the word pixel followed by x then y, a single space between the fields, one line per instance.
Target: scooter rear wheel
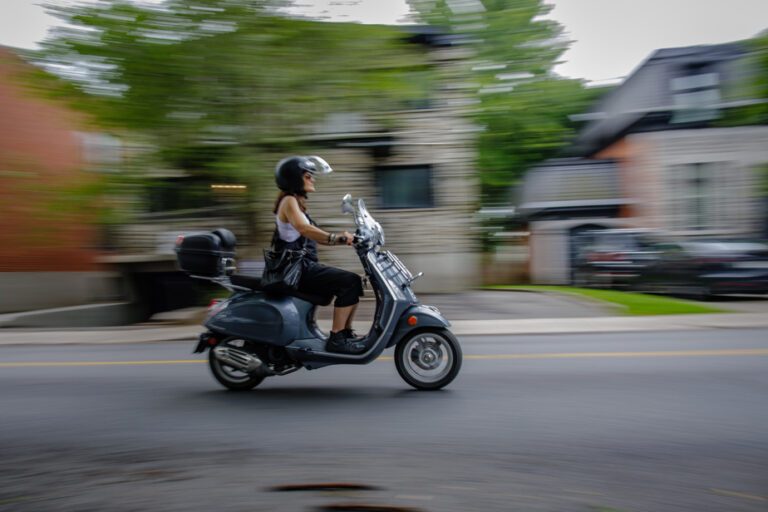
pixel 428 359
pixel 228 376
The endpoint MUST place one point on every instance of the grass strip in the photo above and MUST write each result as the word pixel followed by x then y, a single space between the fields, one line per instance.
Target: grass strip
pixel 630 303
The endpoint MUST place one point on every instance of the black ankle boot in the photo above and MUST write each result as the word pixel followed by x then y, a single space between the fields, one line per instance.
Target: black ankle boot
pixel 338 342
pixel 350 335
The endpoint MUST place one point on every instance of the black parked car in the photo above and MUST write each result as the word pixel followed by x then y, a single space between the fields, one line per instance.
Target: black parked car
pixel 613 258
pixel 703 268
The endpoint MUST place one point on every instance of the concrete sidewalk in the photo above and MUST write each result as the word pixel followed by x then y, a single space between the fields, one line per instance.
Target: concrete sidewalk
pixel 479 312
pixel 604 324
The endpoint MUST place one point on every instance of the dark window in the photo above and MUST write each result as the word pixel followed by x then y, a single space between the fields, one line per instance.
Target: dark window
pixel 405 186
pixel 694 97
pixel 179 194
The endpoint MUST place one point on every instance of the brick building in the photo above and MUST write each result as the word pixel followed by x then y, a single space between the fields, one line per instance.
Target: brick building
pixel 48 242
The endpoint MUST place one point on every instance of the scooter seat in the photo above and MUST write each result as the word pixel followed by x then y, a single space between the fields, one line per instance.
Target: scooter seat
pixel 254 283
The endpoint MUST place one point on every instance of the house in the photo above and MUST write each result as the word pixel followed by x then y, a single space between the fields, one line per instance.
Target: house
pixel 413 166
pixel 561 199
pixel 679 167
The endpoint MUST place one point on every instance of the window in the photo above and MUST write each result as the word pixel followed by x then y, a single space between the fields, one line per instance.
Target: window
pixel 166 195
pixel 101 152
pixel 697 195
pixel 404 186
pixel 694 97
pixel 419 93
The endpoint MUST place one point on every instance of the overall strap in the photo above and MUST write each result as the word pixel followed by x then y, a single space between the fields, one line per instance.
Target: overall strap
pixel 276 237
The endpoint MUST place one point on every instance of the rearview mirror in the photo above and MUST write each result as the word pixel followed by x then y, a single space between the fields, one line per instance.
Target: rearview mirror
pixel 347 206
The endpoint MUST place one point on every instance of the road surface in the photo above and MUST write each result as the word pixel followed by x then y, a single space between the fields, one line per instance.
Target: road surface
pixel 612 422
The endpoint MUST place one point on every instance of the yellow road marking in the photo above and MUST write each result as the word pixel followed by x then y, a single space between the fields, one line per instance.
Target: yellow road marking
pixel 588 493
pixel 668 353
pixel 522 496
pixel 99 363
pixel 665 353
pixel 739 494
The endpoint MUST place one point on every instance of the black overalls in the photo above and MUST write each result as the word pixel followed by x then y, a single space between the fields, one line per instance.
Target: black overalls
pixel 319 279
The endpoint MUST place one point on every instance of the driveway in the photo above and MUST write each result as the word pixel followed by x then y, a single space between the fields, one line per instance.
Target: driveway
pixel 518 304
pixel 498 305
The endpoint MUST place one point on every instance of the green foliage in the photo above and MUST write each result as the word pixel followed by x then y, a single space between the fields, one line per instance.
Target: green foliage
pixel 215 87
pixel 752 85
pixel 763 173
pixel 524 128
pixel 628 302
pixel 523 107
pixel 208 86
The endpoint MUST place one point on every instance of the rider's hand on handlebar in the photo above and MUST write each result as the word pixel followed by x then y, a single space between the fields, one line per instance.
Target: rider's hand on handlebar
pixel 345 238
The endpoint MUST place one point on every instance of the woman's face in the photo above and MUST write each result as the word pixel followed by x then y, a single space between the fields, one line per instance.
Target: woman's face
pixel 309 182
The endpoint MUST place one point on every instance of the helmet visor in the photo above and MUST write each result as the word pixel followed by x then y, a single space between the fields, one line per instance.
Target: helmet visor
pixel 321 166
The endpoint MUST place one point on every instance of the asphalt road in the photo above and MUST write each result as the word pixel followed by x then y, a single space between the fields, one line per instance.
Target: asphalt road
pixel 630 422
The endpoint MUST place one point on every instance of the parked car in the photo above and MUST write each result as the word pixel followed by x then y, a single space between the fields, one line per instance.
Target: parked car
pixel 704 268
pixel 613 258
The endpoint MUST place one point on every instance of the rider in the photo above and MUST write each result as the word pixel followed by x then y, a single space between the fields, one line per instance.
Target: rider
pixel 295 177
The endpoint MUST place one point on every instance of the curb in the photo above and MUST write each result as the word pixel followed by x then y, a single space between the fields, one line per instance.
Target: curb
pixel 529 326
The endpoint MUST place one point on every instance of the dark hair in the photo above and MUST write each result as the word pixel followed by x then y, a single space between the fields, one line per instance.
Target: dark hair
pixel 302 199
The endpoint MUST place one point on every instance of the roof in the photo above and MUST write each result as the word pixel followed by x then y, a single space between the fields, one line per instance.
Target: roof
pixel 572 184
pixel 645 100
pixel 708 52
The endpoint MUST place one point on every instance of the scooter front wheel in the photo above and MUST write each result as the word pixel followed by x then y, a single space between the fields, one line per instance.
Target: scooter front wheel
pixel 229 376
pixel 428 359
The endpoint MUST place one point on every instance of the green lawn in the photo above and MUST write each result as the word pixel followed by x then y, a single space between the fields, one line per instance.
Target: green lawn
pixel 629 303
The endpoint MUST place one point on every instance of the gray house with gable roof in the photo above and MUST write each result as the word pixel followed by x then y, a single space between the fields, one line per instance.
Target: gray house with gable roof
pixel 655 153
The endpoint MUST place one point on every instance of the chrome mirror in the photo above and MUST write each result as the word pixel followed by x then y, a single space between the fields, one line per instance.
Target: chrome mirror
pixel 347 206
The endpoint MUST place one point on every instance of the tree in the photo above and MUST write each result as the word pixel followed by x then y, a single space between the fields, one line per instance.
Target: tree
pixel 209 85
pixel 752 85
pixel 522 106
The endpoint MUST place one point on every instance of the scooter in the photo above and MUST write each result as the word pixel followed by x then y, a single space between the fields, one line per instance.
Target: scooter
pixel 255 333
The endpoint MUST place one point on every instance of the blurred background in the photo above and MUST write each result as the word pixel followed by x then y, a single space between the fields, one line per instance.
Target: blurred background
pixel 464 124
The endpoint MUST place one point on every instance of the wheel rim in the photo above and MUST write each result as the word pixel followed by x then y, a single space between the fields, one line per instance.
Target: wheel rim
pixel 228 372
pixel 428 357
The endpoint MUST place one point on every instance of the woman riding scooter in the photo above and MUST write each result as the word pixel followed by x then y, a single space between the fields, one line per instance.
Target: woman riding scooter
pixel 257 333
pixel 295 177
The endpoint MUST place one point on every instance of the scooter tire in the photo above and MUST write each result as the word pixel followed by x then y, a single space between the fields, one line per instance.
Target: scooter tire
pixel 428 359
pixel 228 379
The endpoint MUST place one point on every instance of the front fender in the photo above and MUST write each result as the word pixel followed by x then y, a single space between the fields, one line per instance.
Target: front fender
pixel 425 316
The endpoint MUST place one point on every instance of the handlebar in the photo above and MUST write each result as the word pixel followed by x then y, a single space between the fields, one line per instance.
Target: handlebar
pixel 343 240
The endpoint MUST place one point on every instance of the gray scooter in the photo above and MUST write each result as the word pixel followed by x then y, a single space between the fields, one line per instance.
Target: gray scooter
pixel 254 334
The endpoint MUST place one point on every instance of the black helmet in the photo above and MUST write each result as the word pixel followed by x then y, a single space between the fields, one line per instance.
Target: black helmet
pixel 290 172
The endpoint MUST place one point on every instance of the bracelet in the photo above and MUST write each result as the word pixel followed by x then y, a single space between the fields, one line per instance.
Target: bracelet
pixel 331 239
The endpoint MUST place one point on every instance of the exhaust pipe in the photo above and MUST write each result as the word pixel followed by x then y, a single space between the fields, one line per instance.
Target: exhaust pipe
pixel 239 359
